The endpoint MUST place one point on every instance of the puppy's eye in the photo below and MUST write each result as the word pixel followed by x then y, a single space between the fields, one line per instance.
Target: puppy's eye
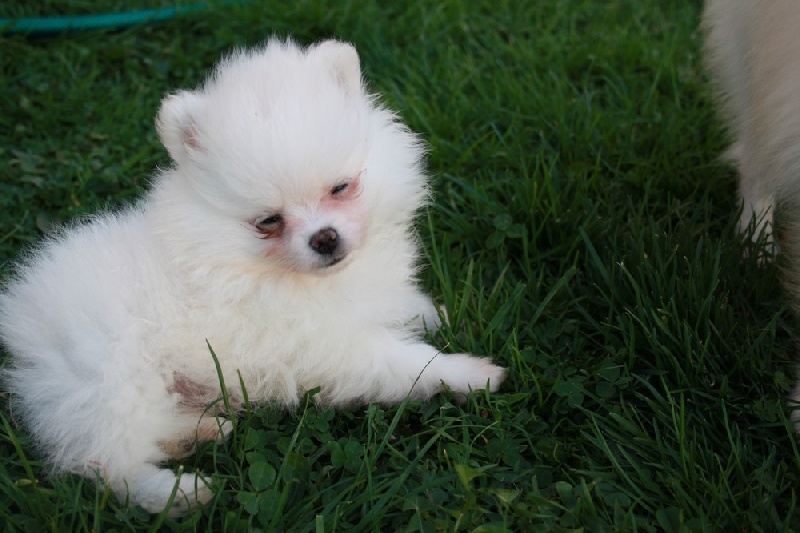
pixel 269 226
pixel 340 188
pixel 268 221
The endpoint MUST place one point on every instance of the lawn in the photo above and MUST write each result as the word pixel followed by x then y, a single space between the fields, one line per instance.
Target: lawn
pixel 583 234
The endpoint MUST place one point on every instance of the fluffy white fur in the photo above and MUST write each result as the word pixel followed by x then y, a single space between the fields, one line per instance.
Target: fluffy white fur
pixel 107 323
pixel 753 50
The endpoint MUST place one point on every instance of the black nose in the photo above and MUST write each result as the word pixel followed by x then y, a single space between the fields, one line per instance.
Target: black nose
pixel 324 241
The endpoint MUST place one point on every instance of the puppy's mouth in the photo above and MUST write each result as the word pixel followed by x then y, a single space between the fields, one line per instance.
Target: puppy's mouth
pixel 333 261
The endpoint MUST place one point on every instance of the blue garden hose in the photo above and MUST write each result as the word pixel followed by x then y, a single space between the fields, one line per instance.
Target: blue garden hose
pixel 104 21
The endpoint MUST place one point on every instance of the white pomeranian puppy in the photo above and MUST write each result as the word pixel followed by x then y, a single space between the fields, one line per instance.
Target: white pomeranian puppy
pixel 281 238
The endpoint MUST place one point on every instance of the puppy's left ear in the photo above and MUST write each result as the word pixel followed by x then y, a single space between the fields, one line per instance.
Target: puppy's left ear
pixel 344 62
pixel 177 125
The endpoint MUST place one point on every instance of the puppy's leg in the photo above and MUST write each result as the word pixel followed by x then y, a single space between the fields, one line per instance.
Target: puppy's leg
pixel 397 368
pixel 137 413
pixel 130 470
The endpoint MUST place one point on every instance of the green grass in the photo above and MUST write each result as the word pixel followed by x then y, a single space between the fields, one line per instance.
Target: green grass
pixel 582 234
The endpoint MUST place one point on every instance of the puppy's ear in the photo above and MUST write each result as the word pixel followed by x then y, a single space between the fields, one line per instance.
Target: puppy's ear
pixel 176 124
pixel 344 62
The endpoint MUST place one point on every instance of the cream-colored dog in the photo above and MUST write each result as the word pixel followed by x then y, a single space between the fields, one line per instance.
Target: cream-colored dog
pixel 753 50
pixel 281 237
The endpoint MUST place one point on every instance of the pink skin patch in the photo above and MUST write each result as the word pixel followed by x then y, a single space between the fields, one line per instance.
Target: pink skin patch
pixel 193 396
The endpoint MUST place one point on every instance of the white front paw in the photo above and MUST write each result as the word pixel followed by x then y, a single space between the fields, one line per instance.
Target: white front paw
pixel 465 373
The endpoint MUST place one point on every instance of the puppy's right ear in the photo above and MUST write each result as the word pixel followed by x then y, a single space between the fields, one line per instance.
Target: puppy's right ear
pixel 177 126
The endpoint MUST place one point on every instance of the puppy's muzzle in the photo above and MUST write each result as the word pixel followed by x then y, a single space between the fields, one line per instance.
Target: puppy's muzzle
pixel 325 242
